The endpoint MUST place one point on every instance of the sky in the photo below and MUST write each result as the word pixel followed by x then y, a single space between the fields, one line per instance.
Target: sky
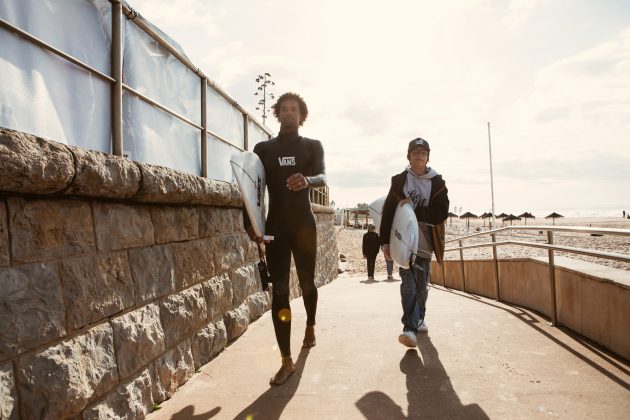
pixel 550 77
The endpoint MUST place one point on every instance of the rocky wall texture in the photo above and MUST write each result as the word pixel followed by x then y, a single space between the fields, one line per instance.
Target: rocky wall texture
pixel 118 279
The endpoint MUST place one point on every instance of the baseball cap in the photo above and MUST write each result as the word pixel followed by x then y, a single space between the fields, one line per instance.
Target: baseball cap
pixel 416 143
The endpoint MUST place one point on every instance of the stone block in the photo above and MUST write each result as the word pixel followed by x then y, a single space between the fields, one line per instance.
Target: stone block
pixel 131 400
pixel 245 281
pixel 139 338
pixel 174 224
pixel 31 307
pixel 209 342
pixel 165 185
pixel 193 261
pixel 232 253
pixel 218 193
pixel 95 287
pixel 122 226
pixel 103 175
pixel 173 370
pixel 183 313
pixel 153 272
pixel 236 321
pixel 46 229
pixel 61 380
pixel 218 293
pixel 5 260
pixel 33 165
pixel 216 221
pixel 258 304
pixel 8 395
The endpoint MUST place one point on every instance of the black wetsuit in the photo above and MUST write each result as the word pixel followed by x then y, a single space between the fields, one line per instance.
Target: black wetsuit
pixel 292 224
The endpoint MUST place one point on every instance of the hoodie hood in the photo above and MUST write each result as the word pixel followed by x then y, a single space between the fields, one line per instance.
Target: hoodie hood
pixel 430 173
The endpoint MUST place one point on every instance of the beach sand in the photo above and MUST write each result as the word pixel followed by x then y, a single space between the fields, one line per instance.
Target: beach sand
pixel 349 242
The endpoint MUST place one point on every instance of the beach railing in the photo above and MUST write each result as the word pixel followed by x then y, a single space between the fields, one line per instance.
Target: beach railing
pixel 549 246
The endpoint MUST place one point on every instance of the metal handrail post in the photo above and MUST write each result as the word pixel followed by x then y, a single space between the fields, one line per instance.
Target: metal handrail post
pixel 204 128
pixel 552 280
pixel 443 271
pixel 496 268
pixel 461 260
pixel 117 63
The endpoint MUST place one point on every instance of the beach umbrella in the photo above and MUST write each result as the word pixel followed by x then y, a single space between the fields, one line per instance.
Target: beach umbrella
pixel 450 216
pixel 553 216
pixel 526 216
pixel 502 215
pixel 485 216
pixel 510 218
pixel 468 215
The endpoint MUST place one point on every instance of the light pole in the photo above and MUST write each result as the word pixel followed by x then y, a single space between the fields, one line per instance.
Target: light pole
pixel 263 81
pixel 491 179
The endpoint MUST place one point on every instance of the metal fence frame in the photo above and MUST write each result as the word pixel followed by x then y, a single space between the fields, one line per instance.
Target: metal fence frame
pixel 117 85
pixel 549 246
pixel 318 195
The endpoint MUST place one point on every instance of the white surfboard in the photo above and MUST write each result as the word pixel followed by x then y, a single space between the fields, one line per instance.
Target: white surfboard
pixel 403 240
pixel 250 177
pixel 376 212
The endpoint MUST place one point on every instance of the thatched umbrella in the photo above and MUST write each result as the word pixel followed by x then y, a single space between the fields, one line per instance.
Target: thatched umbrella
pixel 485 216
pixel 502 215
pixel 526 216
pixel 553 216
pixel 450 216
pixel 510 218
pixel 468 215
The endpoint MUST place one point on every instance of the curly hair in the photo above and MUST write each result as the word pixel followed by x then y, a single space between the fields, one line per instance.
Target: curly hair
pixel 295 97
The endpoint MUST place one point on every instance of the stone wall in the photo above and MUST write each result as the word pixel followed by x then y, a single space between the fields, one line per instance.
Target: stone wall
pixel 118 280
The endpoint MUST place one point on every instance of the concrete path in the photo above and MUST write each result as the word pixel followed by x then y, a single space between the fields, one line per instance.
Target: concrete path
pixel 480 359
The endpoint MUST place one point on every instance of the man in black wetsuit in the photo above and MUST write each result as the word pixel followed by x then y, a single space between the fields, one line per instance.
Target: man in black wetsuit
pixel 292 164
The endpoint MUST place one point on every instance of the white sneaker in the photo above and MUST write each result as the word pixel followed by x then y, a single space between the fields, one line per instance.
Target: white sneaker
pixel 423 328
pixel 408 339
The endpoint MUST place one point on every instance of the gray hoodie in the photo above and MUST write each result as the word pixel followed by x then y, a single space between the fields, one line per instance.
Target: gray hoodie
pixel 418 189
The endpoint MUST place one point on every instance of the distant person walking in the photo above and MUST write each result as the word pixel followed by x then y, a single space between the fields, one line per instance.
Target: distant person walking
pixel 371 248
pixel 423 188
pixel 293 164
pixel 624 214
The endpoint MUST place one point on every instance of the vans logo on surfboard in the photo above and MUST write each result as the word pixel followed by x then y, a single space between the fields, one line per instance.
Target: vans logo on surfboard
pixel 259 191
pixel 398 235
pixel 286 160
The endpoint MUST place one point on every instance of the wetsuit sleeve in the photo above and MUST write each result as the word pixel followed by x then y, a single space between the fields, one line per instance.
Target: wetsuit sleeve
pixel 318 168
pixel 363 248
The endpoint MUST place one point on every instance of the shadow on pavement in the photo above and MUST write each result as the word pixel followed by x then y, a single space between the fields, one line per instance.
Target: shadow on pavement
pixel 271 404
pixel 186 413
pixel 368 281
pixel 430 393
pixel 525 315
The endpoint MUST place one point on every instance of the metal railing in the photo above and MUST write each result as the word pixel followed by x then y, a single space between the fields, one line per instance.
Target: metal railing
pixel 116 79
pixel 320 196
pixel 549 246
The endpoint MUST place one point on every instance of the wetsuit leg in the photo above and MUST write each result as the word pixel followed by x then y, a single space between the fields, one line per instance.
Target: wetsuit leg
pixel 304 254
pixel 279 265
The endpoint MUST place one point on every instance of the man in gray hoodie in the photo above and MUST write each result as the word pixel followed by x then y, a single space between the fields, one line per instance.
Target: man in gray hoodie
pixel 426 191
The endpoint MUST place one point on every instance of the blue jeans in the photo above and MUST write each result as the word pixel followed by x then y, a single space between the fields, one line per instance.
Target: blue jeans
pixel 414 291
